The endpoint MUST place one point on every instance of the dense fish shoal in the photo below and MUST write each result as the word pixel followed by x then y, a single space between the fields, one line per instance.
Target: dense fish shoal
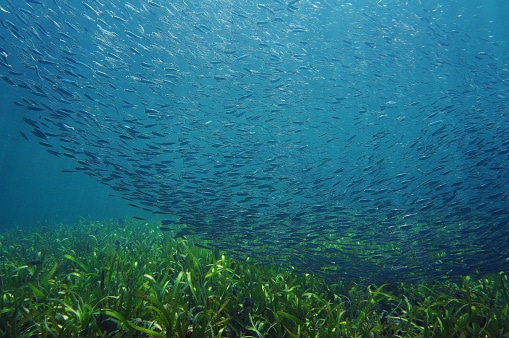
pixel 356 141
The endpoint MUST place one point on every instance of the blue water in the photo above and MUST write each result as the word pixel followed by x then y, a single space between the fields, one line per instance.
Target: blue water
pixel 280 119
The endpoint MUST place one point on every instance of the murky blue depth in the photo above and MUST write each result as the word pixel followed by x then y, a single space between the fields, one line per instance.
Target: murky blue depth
pixel 366 139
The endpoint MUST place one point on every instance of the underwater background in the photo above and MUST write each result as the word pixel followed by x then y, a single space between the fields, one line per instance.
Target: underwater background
pixel 363 140
pixel 254 169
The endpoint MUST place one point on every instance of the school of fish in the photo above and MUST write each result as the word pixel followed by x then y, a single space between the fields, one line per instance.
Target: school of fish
pixel 359 141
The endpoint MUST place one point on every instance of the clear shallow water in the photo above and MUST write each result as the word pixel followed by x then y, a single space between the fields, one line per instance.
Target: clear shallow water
pixel 362 140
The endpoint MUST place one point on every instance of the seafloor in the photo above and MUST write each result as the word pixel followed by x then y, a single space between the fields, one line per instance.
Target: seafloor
pixel 129 278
